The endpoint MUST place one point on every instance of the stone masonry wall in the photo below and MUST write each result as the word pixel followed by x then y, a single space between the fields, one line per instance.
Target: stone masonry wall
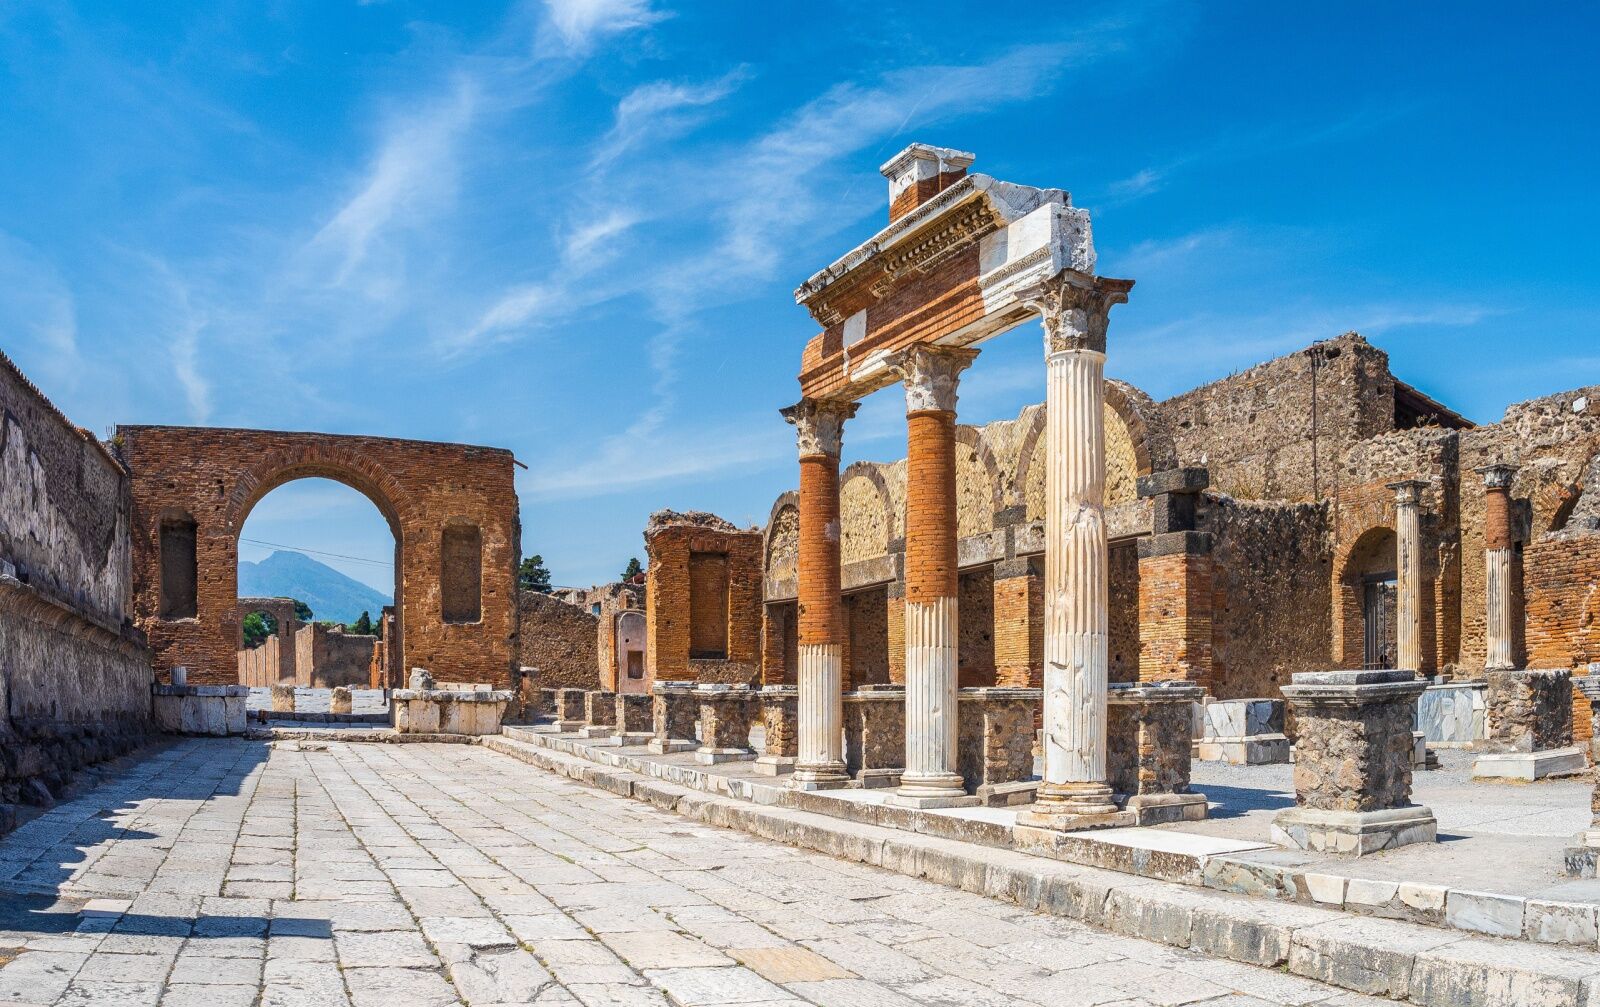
pixel 670 539
pixel 559 639
pixel 325 657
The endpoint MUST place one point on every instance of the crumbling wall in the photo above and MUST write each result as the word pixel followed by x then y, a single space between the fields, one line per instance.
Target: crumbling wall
pixel 74 674
pixel 326 657
pixel 1122 621
pixel 558 639
pixel 671 539
pixel 1272 583
pixel 262 666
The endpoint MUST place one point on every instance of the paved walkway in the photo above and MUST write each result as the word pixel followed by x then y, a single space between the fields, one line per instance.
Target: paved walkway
pixel 223 873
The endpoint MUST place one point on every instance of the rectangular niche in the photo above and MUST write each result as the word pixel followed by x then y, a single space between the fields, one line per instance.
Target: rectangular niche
pixel 708 605
pixel 179 569
pixel 461 573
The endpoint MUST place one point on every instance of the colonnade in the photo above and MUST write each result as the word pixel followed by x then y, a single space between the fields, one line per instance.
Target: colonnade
pixel 1073 308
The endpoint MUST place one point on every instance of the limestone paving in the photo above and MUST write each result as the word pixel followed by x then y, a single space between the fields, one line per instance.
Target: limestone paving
pixel 225 872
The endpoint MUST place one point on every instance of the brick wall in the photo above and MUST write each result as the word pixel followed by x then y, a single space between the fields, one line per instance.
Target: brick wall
pixel 670 540
pixel 1122 621
pixel 1175 625
pixel 975 654
pixel 866 638
pixel 215 476
pixel 1019 631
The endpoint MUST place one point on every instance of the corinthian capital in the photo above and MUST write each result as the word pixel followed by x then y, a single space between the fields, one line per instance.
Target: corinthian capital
pixel 930 374
pixel 1075 308
pixel 819 424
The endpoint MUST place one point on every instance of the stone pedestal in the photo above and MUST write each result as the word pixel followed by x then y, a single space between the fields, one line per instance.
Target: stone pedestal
pixel 569 710
pixel 1352 771
pixel 1530 727
pixel 215 710
pixel 1583 855
pixel 1241 732
pixel 674 708
pixel 547 703
pixel 875 735
pixel 780 725
pixel 341 701
pixel 1453 715
pixel 437 711
pixel 634 721
pixel 283 699
pixel 1148 733
pixel 599 714
pixel 996 744
pixel 726 715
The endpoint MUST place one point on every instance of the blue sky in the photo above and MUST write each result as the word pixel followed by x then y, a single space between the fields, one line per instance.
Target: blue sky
pixel 573 228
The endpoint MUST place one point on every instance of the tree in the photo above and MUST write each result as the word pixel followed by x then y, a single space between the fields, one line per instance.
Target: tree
pixel 256 627
pixel 633 569
pixel 532 574
pixel 363 626
pixel 302 611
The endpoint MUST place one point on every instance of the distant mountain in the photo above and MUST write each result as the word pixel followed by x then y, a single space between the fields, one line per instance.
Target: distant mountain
pixel 331 595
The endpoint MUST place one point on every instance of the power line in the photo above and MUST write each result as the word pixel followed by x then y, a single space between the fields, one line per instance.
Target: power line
pixel 318 552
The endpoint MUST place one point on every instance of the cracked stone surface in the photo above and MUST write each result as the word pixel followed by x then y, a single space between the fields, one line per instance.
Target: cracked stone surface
pixel 449 874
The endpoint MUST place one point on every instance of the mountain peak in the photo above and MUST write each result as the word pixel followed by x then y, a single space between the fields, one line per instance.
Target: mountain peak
pixel 331 595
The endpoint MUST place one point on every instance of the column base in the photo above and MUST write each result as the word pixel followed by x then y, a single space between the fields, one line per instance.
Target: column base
pixel 1354 833
pixel 774 765
pixel 1155 809
pixel 634 739
pixel 713 756
pixel 1583 856
pixel 570 726
pixel 953 799
pixel 596 731
pixel 946 790
pixel 1529 766
pixel 666 746
pixel 1048 815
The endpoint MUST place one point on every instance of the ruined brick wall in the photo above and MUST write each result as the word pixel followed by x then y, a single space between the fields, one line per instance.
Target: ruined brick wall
pixel 1261 437
pixel 671 539
pixel 975 647
pixel 1122 576
pixel 1271 586
pixel 605 602
pixel 74 673
pixel 262 666
pixel 1562 571
pixel 1019 631
pixel 558 639
pixel 1555 442
pixel 213 477
pixel 866 638
pixel 325 657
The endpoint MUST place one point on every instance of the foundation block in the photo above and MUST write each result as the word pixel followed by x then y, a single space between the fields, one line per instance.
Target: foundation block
pixel 569 710
pixel 674 708
pixel 994 751
pixel 1241 732
pixel 1148 733
pixel 780 721
pixel 875 735
pixel 599 714
pixel 634 719
pixel 726 716
pixel 1530 726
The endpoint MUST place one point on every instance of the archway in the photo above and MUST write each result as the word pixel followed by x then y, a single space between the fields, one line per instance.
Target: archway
pixel 321 556
pixel 1366 601
pixel 451 509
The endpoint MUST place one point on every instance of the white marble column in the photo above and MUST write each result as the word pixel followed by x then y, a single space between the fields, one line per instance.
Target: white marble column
pixel 819 426
pixel 1074 792
pixel 1408 574
pixel 931 777
pixel 1498 625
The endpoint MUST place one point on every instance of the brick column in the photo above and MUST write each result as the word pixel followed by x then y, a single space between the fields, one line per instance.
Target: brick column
pixel 1074 793
pixel 1175 581
pixel 931 777
pixel 1498 623
pixel 1408 574
pixel 819 426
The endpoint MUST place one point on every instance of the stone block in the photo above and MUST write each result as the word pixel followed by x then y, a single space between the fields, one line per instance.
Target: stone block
pixel 1560 923
pixel 633 718
pixel 1148 733
pixel 569 710
pixel 1451 715
pixel 1529 766
pixel 341 700
pixel 726 716
pixel 1354 833
pixel 1245 732
pixel 1529 710
pixel 780 721
pixel 436 711
pixel 1355 743
pixel 995 736
pixel 283 699
pixel 875 736
pixel 599 714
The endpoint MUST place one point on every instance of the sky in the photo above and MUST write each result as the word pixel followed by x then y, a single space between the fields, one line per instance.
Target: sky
pixel 573 228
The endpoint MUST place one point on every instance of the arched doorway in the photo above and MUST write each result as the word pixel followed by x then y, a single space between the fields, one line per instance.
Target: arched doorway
pixel 328 558
pixel 1367 601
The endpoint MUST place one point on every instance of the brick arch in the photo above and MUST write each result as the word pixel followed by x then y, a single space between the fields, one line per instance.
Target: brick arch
pixel 220 475
pixel 1359 555
pixel 1152 451
pixel 854 524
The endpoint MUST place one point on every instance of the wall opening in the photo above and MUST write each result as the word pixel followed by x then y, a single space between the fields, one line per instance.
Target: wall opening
pixel 708 605
pixel 866 618
pixel 1366 602
pixel 179 568
pixel 461 573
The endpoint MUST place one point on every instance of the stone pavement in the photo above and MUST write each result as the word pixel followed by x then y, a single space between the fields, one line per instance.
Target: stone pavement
pixel 217 872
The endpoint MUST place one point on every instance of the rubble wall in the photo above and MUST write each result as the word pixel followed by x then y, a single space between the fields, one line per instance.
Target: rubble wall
pixel 560 640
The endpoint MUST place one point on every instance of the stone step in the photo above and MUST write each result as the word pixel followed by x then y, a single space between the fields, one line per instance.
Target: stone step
pixel 1379 957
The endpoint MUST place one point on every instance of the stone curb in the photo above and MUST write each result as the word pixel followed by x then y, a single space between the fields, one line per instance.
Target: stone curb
pixel 1270 874
pixel 377 736
pixel 1379 957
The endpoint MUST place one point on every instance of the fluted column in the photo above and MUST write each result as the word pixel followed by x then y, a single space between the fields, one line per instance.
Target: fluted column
pixel 1498 625
pixel 930 374
pixel 1075 791
pixel 819 426
pixel 1408 574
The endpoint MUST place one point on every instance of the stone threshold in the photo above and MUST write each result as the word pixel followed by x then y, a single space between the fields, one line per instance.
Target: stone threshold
pixel 1259 870
pixel 1378 957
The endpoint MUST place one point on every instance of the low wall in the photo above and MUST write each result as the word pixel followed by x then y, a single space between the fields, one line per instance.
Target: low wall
pixel 214 710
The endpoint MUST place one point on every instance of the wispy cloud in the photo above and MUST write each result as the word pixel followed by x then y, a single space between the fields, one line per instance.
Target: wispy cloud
pixel 661 110
pixel 581 22
pixel 37 310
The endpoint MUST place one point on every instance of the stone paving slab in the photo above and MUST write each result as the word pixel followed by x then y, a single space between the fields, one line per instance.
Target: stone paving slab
pixel 452 874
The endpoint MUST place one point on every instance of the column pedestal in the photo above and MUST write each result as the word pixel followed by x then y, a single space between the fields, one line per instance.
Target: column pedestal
pixel 780 722
pixel 875 735
pixel 726 712
pixel 635 721
pixel 673 710
pixel 1530 727
pixel 1147 750
pixel 569 710
pixel 599 715
pixel 996 746
pixel 1352 772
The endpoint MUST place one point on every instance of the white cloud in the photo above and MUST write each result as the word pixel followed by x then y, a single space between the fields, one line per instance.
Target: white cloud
pixel 411 176
pixel 659 111
pixel 581 22
pixel 38 311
